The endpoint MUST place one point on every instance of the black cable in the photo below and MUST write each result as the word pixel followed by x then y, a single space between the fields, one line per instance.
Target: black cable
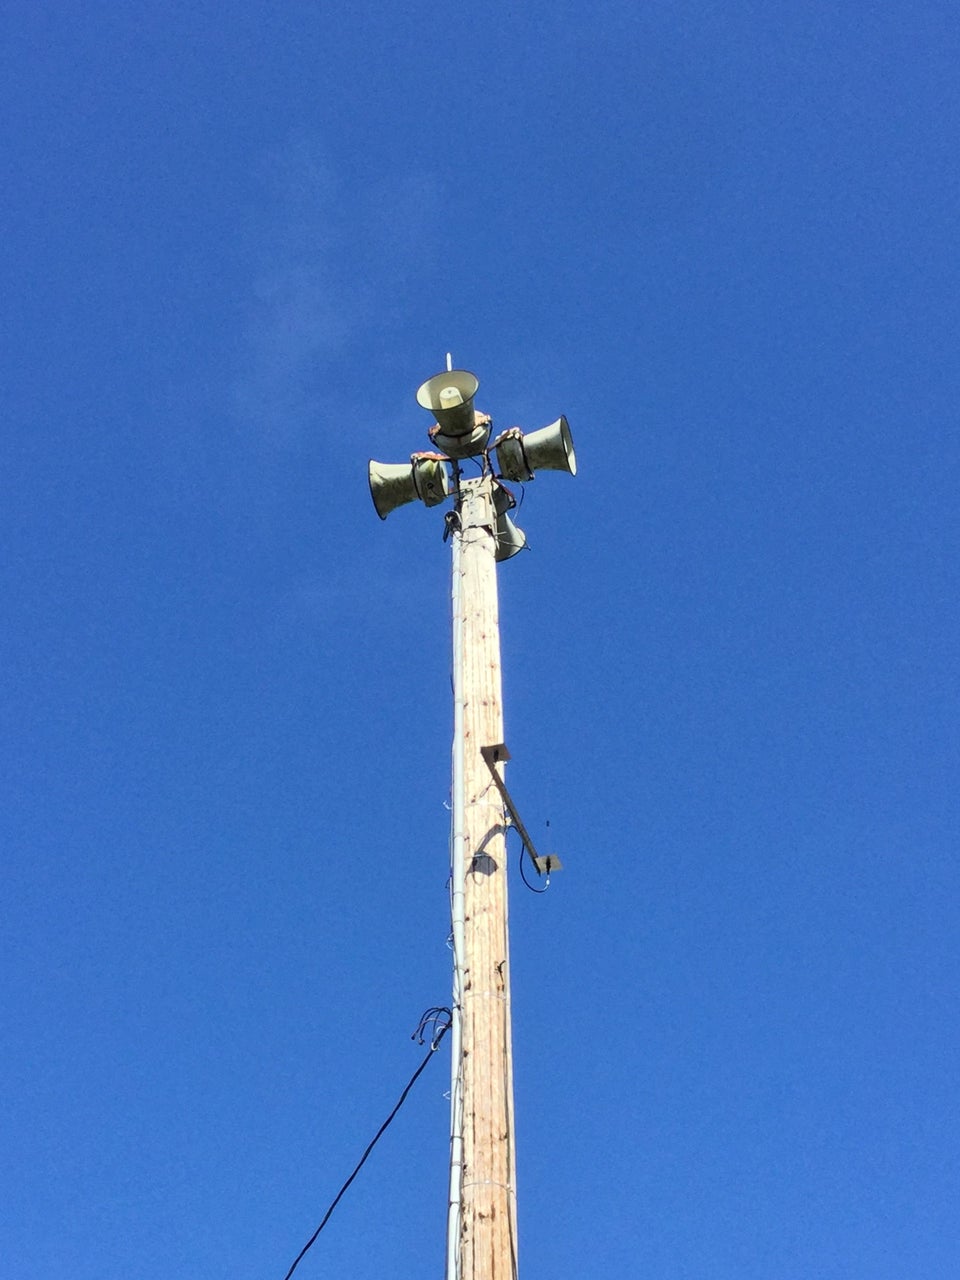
pixel 432 1016
pixel 524 850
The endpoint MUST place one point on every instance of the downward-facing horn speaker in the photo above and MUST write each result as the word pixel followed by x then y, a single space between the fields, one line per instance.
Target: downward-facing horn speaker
pixel 519 455
pixel 508 539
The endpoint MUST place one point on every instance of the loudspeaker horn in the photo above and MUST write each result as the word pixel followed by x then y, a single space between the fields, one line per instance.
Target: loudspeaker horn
pixel 394 484
pixel 449 397
pixel 468 446
pixel 430 477
pixel 508 539
pixel 391 486
pixel 549 449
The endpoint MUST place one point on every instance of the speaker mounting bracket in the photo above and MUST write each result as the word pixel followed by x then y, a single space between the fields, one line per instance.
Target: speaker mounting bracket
pixel 492 756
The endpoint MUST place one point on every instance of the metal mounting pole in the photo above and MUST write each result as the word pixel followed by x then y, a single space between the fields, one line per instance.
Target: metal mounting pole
pixel 482 1223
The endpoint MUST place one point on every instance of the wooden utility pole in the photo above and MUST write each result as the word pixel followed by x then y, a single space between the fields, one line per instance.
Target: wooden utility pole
pixel 482 1226
pixel 482 1206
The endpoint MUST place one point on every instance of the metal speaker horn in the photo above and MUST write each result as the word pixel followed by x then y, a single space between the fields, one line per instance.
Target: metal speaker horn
pixel 549 449
pixel 508 539
pixel 449 397
pixel 391 486
pixel 394 484
pixel 460 431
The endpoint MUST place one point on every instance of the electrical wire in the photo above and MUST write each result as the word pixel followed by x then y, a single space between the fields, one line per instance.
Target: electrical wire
pixel 432 1018
pixel 524 850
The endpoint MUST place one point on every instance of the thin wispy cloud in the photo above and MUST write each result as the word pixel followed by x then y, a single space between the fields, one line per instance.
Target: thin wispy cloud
pixel 325 264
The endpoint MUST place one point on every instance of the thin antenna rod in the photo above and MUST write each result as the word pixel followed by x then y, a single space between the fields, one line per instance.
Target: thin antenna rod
pixel 449 363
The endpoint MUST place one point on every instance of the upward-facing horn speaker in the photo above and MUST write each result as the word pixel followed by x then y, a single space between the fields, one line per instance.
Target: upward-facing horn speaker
pixel 519 455
pixel 449 397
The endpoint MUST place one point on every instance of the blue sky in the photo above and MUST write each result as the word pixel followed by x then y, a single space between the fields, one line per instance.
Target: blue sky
pixel 723 241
